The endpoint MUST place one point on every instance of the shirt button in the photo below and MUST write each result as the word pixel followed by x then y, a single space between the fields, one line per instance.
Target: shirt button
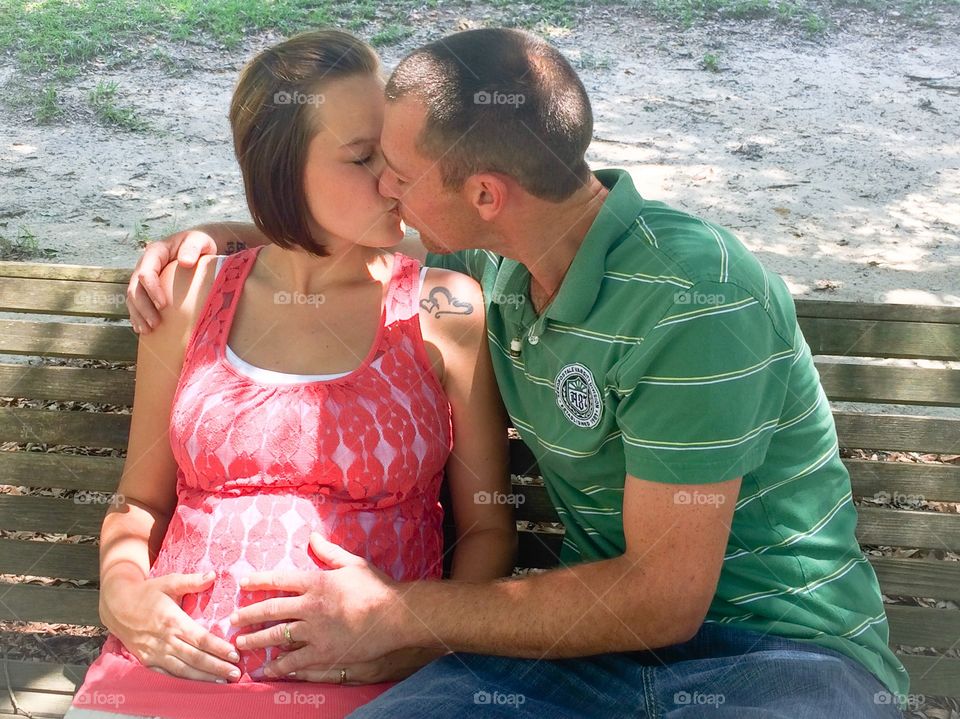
pixel 533 339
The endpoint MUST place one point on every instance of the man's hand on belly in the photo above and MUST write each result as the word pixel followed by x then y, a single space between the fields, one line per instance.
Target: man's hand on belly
pixel 345 614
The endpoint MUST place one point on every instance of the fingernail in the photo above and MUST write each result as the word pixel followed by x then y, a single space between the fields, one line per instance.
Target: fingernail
pixel 292 674
pixel 235 674
pixel 221 681
pixel 233 657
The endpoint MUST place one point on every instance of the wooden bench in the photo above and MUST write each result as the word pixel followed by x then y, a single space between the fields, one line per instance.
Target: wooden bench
pixel 78 313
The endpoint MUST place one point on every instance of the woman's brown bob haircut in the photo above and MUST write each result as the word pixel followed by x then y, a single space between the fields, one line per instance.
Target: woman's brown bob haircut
pixel 273 113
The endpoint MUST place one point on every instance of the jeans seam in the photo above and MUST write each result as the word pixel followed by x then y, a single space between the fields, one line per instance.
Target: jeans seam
pixel 651 706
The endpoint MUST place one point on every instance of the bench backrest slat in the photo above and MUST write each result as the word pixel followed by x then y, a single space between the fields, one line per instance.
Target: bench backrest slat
pixel 68 339
pixel 63 297
pixel 71 428
pixel 68 384
pixel 872 338
pixel 59 470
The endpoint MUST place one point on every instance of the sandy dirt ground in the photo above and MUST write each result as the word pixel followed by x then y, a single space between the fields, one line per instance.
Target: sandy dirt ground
pixel 836 158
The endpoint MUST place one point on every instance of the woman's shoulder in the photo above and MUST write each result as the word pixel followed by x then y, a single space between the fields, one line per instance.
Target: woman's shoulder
pixel 451 306
pixel 187 288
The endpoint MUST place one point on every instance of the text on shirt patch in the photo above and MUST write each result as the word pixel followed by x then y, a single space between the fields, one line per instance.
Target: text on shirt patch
pixel 578 396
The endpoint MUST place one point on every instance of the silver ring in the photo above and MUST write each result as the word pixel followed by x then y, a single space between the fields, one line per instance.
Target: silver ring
pixel 286 633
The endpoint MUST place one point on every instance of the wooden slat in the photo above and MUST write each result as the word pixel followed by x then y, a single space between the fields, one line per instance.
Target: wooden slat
pixel 66 471
pixel 77 429
pixel 538 550
pixel 50 514
pixel 535 505
pixel 930 578
pixel 63 297
pixel 907 528
pixel 867 338
pixel 55 605
pixel 890 385
pixel 897 432
pixel 522 461
pixel 75 384
pixel 44 271
pixel 44 676
pixel 41 705
pixel 116 343
pixel 878 311
pixel 932 676
pixel 931 482
pixel 49 559
pixel 923 626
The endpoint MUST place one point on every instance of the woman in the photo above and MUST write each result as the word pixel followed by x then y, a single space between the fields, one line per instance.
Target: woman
pixel 290 389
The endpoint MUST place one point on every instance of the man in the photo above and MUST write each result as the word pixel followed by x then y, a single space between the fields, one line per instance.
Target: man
pixel 657 371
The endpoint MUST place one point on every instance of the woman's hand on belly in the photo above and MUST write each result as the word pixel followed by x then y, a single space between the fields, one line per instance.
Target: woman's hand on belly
pixel 145 615
pixel 392 667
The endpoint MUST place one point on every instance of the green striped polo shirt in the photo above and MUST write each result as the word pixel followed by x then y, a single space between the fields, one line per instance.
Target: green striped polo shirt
pixel 671 354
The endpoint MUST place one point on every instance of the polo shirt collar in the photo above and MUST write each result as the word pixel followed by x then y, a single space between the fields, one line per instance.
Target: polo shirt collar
pixel 578 292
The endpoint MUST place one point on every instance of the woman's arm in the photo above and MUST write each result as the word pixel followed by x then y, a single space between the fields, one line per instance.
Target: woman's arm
pixel 478 476
pixel 145 613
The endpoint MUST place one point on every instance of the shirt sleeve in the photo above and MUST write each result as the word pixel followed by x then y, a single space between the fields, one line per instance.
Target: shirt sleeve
pixel 701 395
pixel 467 262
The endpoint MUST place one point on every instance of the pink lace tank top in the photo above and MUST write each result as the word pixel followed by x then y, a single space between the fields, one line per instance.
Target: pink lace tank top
pixel 358 458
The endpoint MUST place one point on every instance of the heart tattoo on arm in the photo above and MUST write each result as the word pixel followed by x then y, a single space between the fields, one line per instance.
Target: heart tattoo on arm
pixel 442 302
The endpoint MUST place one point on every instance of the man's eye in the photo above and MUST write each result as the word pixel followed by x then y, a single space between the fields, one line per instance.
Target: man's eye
pixel 363 160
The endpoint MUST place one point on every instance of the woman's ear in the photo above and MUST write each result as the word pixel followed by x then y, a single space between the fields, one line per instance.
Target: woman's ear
pixel 487 193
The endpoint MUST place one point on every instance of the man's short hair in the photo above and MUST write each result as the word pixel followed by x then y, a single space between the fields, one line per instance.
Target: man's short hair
pixel 273 115
pixel 503 101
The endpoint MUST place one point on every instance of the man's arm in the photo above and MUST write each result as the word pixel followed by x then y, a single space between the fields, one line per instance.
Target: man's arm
pixel 656 594
pixel 145 295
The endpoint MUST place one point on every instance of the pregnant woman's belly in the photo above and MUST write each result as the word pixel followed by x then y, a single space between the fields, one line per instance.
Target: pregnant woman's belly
pixel 235 536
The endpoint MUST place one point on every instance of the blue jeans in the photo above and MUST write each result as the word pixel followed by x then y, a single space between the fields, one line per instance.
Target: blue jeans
pixel 722 673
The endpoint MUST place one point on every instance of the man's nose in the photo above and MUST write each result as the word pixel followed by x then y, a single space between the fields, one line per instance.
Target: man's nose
pixel 387 186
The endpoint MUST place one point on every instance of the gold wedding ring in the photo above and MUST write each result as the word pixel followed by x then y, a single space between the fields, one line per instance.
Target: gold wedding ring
pixel 343 675
pixel 286 633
